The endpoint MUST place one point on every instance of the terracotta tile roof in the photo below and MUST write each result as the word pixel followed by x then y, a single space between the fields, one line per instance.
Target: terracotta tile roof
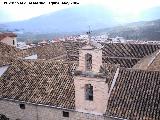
pixel 3 35
pixel 126 55
pixel 129 50
pixel 7 54
pixel 109 70
pixel 123 62
pixel 40 82
pixel 155 64
pixel 7 49
pixel 55 51
pixel 47 51
pixel 72 49
pixel 50 51
pixel 136 95
pixel 150 62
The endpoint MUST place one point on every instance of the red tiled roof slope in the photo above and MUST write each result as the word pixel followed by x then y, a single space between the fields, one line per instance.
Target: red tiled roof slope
pixel 7 54
pixel 129 50
pixel 47 51
pixel 51 51
pixel 149 62
pixel 40 82
pixel 126 55
pixel 123 62
pixel 109 70
pixel 155 65
pixel 136 95
pixel 72 49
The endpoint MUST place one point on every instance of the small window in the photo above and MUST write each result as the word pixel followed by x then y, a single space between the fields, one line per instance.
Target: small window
pixel 88 62
pixel 22 106
pixel 65 114
pixel 13 42
pixel 89 92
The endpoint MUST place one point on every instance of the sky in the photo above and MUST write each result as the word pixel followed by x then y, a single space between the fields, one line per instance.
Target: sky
pixel 122 8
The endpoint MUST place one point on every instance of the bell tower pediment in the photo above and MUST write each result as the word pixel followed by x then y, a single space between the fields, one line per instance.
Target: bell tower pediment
pixel 88 47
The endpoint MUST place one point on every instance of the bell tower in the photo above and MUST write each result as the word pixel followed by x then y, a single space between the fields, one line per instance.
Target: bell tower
pixel 91 89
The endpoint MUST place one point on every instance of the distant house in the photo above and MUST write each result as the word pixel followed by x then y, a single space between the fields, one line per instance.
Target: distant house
pixel 8 38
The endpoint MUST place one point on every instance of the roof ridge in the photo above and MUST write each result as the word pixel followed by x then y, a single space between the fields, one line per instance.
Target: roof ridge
pixel 146 61
pixel 157 53
pixel 136 69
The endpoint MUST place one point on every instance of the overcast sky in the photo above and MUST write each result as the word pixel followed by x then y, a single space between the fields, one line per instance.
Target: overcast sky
pixel 14 12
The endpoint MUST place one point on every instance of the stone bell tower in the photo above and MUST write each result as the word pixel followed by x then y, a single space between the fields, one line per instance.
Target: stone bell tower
pixel 91 89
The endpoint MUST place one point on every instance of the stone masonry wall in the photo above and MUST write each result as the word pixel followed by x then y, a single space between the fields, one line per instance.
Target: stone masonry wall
pixel 33 112
pixel 100 95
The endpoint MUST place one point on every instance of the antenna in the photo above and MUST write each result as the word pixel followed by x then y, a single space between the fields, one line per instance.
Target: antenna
pixel 89 34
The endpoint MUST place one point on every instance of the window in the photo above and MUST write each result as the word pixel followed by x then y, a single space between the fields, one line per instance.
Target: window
pixel 22 106
pixel 13 42
pixel 89 92
pixel 65 114
pixel 88 61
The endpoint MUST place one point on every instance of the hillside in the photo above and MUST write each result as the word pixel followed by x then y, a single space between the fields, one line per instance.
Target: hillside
pixel 145 30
